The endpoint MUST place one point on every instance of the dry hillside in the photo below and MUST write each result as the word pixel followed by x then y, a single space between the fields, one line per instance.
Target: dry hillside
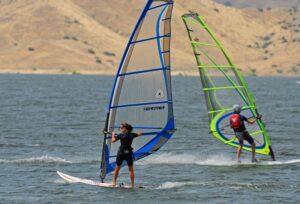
pixel 260 3
pixel 88 36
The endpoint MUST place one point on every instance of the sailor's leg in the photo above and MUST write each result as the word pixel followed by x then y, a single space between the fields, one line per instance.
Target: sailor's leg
pixel 239 136
pixel 130 168
pixel 116 173
pixel 131 174
pixel 253 152
pixel 239 151
pixel 250 140
pixel 119 161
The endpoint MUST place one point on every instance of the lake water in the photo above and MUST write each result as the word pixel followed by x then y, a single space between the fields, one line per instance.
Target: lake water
pixel 50 123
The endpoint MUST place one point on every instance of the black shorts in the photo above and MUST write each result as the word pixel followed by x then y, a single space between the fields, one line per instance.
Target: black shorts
pixel 124 155
pixel 244 136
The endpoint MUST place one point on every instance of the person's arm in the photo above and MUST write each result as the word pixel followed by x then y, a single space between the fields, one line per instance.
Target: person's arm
pixel 138 134
pixel 254 119
pixel 113 137
pixel 251 121
pixel 243 118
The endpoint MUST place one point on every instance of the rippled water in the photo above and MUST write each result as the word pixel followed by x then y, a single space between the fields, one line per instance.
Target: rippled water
pixel 51 123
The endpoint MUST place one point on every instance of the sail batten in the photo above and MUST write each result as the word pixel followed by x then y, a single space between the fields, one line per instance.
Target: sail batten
pixel 214 66
pixel 223 86
pixel 143 71
pixel 142 94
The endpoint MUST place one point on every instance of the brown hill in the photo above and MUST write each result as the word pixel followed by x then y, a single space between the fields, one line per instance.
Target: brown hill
pixel 260 3
pixel 89 36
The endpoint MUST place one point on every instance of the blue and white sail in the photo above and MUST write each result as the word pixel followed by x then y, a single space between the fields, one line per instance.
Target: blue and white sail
pixel 142 94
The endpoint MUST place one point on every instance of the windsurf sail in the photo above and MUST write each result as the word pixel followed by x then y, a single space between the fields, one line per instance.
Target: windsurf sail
pixel 223 86
pixel 142 93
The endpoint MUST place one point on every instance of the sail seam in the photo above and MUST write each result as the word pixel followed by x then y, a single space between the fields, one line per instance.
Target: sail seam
pixel 142 127
pixel 214 66
pixel 204 44
pixel 140 104
pixel 165 19
pixel 224 87
pixel 159 6
pixel 227 109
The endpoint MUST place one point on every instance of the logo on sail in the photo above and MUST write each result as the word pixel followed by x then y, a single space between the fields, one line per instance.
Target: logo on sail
pixel 153 108
pixel 159 94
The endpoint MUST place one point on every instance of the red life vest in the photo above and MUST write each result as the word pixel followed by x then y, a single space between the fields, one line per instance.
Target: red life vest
pixel 235 121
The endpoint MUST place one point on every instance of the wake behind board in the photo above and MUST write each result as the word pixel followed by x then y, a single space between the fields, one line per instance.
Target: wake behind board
pixel 72 179
pixel 271 163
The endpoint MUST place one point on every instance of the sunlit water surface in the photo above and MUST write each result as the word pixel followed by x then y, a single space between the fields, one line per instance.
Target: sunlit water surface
pixel 51 123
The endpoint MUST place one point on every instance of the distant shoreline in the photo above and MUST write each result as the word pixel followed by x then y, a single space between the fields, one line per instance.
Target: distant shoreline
pixel 109 73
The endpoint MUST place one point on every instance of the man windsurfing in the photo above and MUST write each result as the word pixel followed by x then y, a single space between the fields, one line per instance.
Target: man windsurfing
pixel 125 151
pixel 237 124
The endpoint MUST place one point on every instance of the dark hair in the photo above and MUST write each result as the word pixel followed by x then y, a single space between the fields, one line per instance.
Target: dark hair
pixel 127 126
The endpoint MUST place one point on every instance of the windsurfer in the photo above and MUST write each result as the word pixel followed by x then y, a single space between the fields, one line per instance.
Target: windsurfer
pixel 125 150
pixel 238 126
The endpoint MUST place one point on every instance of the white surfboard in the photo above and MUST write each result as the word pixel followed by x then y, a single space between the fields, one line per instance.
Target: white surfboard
pixel 73 179
pixel 293 161
pixel 271 163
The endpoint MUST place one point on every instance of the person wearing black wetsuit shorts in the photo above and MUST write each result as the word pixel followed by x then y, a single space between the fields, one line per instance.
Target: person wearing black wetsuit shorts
pixel 237 124
pixel 125 152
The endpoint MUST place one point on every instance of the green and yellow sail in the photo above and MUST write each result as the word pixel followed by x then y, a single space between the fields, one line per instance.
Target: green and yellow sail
pixel 223 86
